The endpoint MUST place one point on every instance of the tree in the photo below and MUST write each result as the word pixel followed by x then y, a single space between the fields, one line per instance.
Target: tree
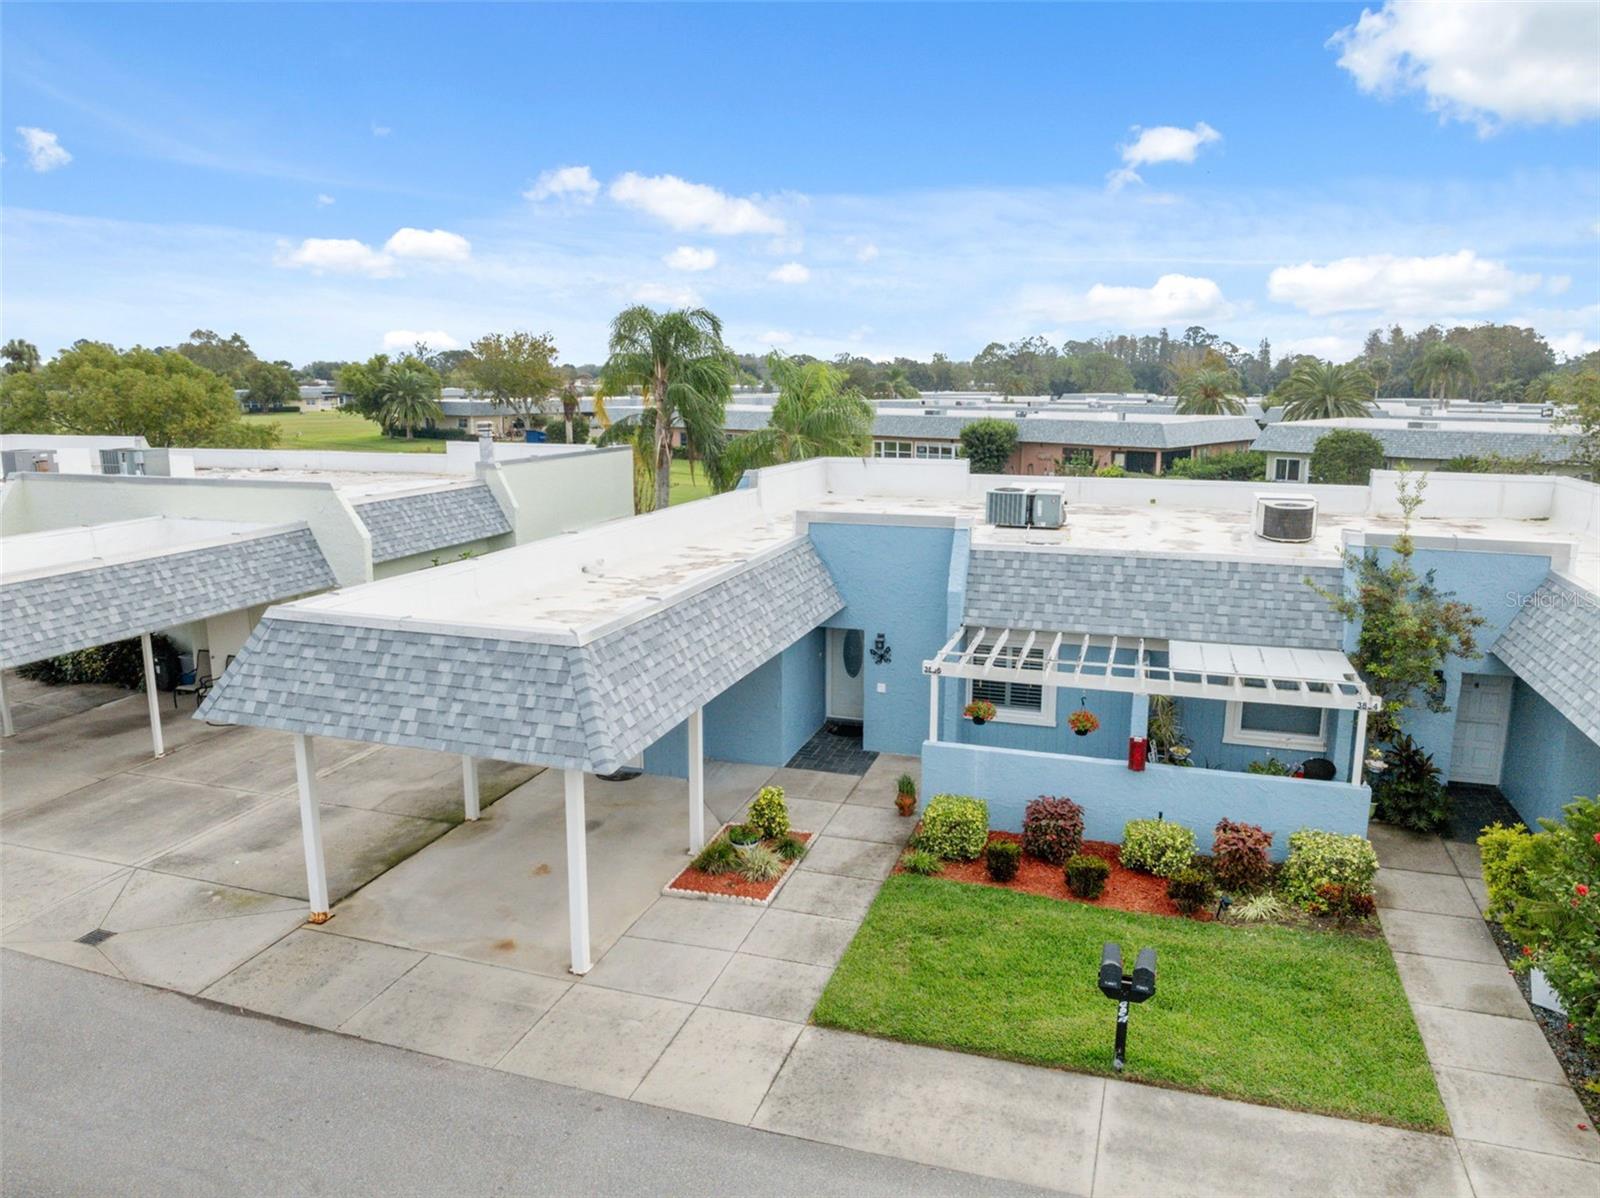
pixel 1322 391
pixel 568 432
pixel 410 394
pixel 1443 369
pixel 569 413
pixel 1346 456
pixel 893 384
pixel 1238 465
pixel 1578 402
pixel 814 416
pixel 1408 627
pixel 322 369
pixel 1099 371
pixel 1209 391
pixel 268 387
pixel 95 390
pixel 363 383
pixel 21 357
pixel 679 362
pixel 988 445
pixel 225 357
pixel 517 370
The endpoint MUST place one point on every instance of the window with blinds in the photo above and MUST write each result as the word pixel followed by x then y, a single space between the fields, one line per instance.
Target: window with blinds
pixel 1011 696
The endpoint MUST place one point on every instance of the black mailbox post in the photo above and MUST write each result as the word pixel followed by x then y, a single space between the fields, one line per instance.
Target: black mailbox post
pixel 1123 988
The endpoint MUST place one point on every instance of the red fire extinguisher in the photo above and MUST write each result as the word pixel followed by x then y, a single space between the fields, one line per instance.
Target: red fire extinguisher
pixel 1138 748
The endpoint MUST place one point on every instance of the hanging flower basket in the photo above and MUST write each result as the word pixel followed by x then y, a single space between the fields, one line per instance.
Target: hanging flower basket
pixel 1083 721
pixel 979 711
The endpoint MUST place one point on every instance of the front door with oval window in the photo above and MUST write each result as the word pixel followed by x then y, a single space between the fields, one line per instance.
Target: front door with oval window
pixel 846 673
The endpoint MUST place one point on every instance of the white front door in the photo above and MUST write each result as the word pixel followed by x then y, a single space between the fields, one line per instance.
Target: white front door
pixel 1482 713
pixel 846 673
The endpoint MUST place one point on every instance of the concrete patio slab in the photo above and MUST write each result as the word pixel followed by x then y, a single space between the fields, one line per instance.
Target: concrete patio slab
pixel 877 785
pixel 1464 985
pixel 36 703
pixel 1467 857
pixel 851 858
pixel 697 921
pixel 1479 892
pixel 1505 1172
pixel 979 1115
pixel 729 786
pixel 310 977
pixel 252 759
pixel 826 894
pixel 416 783
pixel 457 1009
pixel 881 824
pixel 34 880
pixel 103 741
pixel 188 957
pixel 34 781
pixel 720 1065
pixel 1489 1043
pixel 263 851
pixel 1515 1113
pixel 1420 852
pixel 1461 938
pixel 766 986
pixel 1156 1141
pixel 793 936
pixel 805 815
pixel 1437 894
pixel 817 786
pixel 681 972
pixel 601 1040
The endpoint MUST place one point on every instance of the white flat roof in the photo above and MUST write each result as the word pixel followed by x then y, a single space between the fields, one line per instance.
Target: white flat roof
pixel 59 550
pixel 354 485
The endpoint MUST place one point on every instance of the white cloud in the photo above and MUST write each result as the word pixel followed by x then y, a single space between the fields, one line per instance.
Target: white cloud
pixel 45 152
pixel 1480 61
pixel 775 337
pixel 791 272
pixel 434 245
pixel 1574 344
pixel 336 255
pixel 683 205
pixel 688 257
pixel 867 253
pixel 1558 284
pixel 576 182
pixel 1163 143
pixel 404 339
pixel 380 130
pixel 324 199
pixel 1444 285
pixel 1170 298
pixel 666 295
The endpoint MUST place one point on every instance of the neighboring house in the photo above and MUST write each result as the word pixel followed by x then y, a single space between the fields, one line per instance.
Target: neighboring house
pixel 1421 443
pixel 879 594
pixel 321 397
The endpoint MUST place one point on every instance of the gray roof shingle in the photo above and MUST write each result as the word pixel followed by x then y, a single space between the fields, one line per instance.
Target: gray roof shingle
pixel 75 609
pixel 1423 444
pixel 408 524
pixel 1192 599
pixel 1056 430
pixel 590 706
pixel 1553 644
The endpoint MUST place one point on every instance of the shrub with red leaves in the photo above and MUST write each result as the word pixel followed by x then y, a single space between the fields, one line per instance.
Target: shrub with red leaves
pixel 1052 829
pixel 1344 903
pixel 1239 856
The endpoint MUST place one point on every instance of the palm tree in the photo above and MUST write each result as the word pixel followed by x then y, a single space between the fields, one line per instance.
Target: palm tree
pixel 894 384
pixel 569 407
pixel 678 361
pixel 1444 368
pixel 1323 391
pixel 1209 391
pixel 21 357
pixel 815 416
pixel 410 394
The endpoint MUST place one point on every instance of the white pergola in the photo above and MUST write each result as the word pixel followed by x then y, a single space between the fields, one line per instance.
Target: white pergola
pixel 1144 666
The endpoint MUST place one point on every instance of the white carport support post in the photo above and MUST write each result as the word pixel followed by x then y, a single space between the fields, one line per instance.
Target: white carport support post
pixel 150 693
pixel 1359 755
pixel 469 784
pixel 697 780
pixel 933 708
pixel 305 773
pixel 577 872
pixel 7 728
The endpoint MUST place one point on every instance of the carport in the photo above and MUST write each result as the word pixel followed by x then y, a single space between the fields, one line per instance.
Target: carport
pixel 531 656
pixel 76 588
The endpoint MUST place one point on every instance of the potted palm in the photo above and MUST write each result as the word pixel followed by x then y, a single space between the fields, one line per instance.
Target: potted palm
pixel 979 711
pixel 743 838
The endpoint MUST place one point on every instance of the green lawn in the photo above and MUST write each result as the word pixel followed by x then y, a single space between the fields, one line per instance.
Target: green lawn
pixel 338 430
pixel 1307 1020
pixel 683 487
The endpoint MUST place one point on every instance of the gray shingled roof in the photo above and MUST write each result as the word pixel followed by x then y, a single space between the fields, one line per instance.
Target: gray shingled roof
pixel 76 609
pixel 590 706
pixel 1057 430
pixel 1192 599
pixel 1553 644
pixel 410 524
pixel 1422 444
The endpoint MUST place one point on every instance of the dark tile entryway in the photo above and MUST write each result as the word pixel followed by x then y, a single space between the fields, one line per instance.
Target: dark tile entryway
pixel 1473 808
pixel 835 749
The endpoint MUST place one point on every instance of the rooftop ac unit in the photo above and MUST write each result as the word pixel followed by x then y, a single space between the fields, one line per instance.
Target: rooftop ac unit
pixel 1047 509
pixel 1422 424
pixel 1008 507
pixel 1290 518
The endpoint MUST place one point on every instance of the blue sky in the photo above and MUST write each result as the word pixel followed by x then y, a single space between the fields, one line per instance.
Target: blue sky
pixel 329 180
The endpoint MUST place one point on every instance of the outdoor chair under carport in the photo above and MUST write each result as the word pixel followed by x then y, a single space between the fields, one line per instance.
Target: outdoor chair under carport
pixel 201 686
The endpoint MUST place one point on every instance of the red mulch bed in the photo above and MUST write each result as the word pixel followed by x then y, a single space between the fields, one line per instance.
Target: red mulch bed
pixel 1126 889
pixel 732 885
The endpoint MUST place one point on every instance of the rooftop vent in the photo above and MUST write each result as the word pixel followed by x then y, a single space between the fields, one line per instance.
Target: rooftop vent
pixel 1286 518
pixel 1007 507
pixel 1422 424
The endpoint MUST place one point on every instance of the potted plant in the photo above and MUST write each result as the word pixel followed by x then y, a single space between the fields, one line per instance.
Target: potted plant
pixel 1083 721
pixel 743 838
pixel 1179 755
pixel 979 711
pixel 905 798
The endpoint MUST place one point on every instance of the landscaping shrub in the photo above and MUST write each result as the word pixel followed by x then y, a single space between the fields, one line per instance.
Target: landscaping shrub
pixel 1342 902
pixel 1269 765
pixel 1239 856
pixel 760 864
pixel 1259 908
pixel 1157 846
pixel 791 848
pixel 1086 875
pixel 120 663
pixel 769 814
pixel 1317 858
pixel 1408 793
pixel 718 857
pixel 1191 889
pixel 1508 858
pixel 955 827
pixel 1001 858
pixel 1052 829
pixel 920 861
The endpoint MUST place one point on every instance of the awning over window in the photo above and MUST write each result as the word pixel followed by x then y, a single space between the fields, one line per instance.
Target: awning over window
pixel 1141 665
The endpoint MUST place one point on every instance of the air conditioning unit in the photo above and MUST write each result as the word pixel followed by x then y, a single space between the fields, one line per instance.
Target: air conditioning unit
pixel 1422 424
pixel 1047 509
pixel 1291 518
pixel 1008 507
